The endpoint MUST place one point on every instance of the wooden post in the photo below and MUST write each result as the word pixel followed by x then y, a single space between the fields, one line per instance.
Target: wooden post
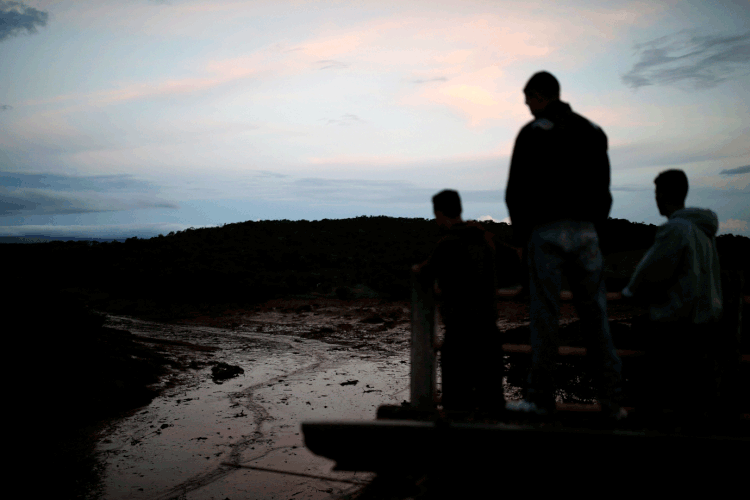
pixel 423 375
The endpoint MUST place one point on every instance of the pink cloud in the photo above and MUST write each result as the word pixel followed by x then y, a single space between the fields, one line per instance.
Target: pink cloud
pixel 463 57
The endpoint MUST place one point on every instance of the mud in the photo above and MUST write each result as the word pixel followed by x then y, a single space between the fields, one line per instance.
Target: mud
pixel 301 360
pixel 298 365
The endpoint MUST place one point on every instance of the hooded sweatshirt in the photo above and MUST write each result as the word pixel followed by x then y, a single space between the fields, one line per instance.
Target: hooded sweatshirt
pixel 679 275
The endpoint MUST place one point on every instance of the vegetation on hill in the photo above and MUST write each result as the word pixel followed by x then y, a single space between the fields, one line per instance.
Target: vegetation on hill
pixel 249 262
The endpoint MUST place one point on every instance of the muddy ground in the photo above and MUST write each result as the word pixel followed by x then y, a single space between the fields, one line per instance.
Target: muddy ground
pixel 301 359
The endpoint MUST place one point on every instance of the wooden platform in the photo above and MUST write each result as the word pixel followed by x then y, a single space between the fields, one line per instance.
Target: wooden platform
pixel 384 445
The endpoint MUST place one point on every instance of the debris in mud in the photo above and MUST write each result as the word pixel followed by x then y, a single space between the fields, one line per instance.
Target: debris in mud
pixel 318 332
pixel 350 382
pixel 223 371
pixel 372 319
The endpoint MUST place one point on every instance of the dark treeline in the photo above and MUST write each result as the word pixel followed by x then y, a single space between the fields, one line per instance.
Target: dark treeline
pixel 249 262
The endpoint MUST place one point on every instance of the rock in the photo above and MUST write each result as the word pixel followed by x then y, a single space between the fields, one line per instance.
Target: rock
pixel 223 371
pixel 372 319
pixel 350 382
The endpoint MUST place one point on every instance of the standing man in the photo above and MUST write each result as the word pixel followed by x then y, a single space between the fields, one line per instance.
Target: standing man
pixel 557 197
pixel 679 278
pixel 463 264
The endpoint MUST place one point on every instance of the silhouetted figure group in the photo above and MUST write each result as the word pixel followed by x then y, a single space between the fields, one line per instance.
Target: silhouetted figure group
pixel 558 197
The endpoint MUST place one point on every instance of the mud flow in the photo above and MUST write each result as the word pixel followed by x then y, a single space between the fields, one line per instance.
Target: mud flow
pixel 299 361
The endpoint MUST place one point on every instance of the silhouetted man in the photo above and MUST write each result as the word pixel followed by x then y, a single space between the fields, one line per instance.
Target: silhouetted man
pixel 557 195
pixel 679 278
pixel 463 264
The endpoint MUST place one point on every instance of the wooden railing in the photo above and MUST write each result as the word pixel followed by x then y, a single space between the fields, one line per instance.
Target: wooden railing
pixel 424 343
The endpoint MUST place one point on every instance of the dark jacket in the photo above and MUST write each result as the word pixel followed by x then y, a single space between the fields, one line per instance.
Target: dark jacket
pixel 463 264
pixel 559 170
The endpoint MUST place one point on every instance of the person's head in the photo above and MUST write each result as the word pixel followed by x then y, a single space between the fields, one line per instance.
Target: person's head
pixel 671 191
pixel 541 89
pixel 447 207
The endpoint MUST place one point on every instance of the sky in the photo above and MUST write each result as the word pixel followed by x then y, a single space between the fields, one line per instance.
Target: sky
pixel 141 117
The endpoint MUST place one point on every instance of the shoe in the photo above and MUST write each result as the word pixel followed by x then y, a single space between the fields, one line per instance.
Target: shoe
pixel 613 412
pixel 618 415
pixel 527 407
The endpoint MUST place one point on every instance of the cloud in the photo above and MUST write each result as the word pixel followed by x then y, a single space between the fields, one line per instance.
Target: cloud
pixel 42 194
pixel 330 63
pixel 703 60
pixel 94 231
pixel 736 171
pixel 5 107
pixel 733 225
pixel 347 119
pixel 427 80
pixel 486 218
pixel 16 17
pixel 268 173
pixel 348 191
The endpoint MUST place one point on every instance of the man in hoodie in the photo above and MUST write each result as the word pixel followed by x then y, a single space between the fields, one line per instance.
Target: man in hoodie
pixel 463 265
pixel 679 278
pixel 558 197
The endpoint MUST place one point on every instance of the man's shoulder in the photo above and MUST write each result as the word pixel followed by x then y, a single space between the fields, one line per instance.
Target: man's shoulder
pixel 583 124
pixel 541 124
pixel 673 230
pixel 550 124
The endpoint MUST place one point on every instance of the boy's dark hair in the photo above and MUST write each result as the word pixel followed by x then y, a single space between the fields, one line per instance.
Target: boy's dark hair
pixel 543 83
pixel 672 185
pixel 448 202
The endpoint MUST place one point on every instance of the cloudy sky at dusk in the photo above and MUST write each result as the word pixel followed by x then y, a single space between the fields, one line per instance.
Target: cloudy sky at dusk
pixel 144 117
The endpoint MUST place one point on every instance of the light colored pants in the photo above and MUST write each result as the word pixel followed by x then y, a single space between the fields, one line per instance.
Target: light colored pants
pixel 572 248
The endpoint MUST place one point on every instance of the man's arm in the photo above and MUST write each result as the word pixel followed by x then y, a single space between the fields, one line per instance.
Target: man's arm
pixel 427 270
pixel 660 264
pixel 517 191
pixel 605 200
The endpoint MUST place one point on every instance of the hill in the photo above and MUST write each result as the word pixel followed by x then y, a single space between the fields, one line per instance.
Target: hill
pixel 250 262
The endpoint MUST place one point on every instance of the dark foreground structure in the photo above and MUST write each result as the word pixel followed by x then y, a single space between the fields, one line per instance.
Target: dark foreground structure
pixel 420 451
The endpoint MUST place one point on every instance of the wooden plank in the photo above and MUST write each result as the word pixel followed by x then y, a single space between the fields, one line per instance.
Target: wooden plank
pixel 565 295
pixel 562 350
pixel 398 444
pixel 567 350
